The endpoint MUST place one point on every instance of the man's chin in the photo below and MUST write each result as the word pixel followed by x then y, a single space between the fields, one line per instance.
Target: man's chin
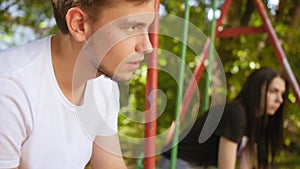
pixel 121 78
pixel 118 75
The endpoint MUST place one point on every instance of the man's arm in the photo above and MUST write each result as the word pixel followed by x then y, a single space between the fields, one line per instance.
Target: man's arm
pixel 15 121
pixel 227 154
pixel 107 153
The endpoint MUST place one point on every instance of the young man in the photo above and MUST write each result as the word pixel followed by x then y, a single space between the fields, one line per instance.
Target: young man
pixel 46 86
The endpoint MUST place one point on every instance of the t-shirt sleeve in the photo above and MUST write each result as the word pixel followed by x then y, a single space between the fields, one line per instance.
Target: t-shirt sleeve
pixel 232 124
pixel 15 123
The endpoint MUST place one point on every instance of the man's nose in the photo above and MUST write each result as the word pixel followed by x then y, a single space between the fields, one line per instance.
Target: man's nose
pixel 144 45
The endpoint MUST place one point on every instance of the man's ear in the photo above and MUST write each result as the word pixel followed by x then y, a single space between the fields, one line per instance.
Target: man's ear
pixel 76 21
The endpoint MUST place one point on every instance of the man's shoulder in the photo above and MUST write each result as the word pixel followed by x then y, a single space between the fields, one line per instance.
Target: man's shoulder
pixel 16 58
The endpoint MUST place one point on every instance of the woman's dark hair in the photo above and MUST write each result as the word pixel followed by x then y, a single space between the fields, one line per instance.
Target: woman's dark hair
pixel 266 131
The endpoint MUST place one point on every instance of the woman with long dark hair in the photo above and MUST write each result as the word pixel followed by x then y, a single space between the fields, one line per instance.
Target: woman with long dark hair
pixel 251 125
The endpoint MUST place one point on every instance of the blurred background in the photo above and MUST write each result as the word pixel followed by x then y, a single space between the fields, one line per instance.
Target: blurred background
pixel 22 21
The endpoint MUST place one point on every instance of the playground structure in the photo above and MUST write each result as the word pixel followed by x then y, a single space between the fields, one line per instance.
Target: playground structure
pixel 152 75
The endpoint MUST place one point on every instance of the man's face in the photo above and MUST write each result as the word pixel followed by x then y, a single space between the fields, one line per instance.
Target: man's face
pixel 124 34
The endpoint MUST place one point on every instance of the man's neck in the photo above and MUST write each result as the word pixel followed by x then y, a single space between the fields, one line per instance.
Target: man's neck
pixel 64 53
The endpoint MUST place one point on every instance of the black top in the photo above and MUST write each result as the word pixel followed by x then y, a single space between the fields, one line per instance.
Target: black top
pixel 232 126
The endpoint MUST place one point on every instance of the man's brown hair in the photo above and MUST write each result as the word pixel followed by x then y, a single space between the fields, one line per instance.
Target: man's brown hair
pixel 90 7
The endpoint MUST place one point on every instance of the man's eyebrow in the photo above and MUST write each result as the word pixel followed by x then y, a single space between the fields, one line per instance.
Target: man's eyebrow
pixel 134 21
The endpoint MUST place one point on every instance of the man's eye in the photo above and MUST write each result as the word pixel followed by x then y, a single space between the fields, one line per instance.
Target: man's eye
pixel 132 28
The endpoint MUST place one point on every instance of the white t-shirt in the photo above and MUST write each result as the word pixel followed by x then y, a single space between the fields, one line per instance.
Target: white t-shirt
pixel 39 127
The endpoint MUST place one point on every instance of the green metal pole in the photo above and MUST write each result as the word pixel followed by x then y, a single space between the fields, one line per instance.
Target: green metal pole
pixel 180 85
pixel 210 59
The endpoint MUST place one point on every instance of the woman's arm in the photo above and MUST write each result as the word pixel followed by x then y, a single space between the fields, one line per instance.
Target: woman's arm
pixel 246 159
pixel 227 154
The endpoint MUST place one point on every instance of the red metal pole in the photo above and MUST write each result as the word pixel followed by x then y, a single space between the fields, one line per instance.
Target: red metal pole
pixel 278 49
pixel 224 12
pixel 231 32
pixel 151 95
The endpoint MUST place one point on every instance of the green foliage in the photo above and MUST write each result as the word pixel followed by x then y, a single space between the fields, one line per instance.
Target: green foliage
pixel 24 20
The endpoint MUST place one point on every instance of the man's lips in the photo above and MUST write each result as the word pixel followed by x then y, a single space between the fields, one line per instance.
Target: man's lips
pixel 134 65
